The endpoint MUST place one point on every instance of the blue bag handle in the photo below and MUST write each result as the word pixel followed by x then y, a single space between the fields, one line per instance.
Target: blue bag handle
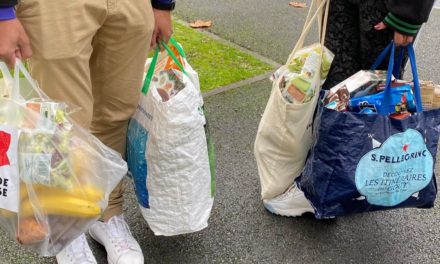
pixel 412 59
pixel 383 55
pixel 391 68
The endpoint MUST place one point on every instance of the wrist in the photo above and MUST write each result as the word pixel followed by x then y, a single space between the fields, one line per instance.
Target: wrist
pixel 401 26
pixel 7 13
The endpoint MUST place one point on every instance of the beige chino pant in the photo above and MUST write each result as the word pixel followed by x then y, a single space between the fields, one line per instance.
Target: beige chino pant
pixel 91 54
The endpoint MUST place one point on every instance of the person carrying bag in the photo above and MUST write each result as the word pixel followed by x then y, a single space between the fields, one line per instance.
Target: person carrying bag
pixel 368 162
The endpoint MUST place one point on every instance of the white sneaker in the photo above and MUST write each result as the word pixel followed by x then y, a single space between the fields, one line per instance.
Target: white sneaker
pixel 78 252
pixel 291 203
pixel 116 237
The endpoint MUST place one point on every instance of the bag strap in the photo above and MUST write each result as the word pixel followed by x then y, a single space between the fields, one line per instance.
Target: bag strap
pixel 153 63
pixel 318 14
pixel 150 72
pixel 412 59
pixel 171 54
pixel 5 72
pixel 13 81
pixel 178 47
pixel 391 66
pixel 382 56
pixel 7 77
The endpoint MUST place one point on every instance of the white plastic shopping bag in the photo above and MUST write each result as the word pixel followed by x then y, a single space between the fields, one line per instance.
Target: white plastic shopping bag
pixel 169 153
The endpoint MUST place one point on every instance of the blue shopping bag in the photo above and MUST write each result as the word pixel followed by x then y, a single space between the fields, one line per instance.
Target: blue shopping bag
pixel 369 162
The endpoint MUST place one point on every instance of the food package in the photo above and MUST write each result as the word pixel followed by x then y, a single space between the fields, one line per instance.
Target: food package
pixel 55 177
pixel 362 83
pixel 436 97
pixel 167 74
pixel 401 101
pixel 427 94
pixel 297 85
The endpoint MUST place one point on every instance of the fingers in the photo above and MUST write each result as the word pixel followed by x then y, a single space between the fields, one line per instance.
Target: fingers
pixel 380 26
pixel 9 59
pixel 153 43
pixel 24 47
pixel 14 43
pixel 402 40
pixel 409 40
pixel 165 36
pixel 158 35
pixel 18 54
pixel 398 39
pixel 164 26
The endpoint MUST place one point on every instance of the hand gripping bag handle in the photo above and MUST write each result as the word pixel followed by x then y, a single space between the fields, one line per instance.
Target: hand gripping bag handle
pixel 11 81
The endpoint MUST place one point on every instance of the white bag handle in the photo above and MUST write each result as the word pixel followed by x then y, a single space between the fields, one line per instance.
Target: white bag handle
pixel 322 24
pixel 7 77
pixel 13 82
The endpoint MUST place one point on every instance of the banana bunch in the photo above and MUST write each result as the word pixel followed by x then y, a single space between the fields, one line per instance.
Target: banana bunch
pixel 80 201
pixel 39 202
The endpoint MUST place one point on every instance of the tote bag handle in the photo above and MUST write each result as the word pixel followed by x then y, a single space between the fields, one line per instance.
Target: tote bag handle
pixel 390 49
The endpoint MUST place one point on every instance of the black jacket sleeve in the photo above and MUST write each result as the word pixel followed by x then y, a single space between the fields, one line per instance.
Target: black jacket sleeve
pixel 8 3
pixel 163 4
pixel 407 16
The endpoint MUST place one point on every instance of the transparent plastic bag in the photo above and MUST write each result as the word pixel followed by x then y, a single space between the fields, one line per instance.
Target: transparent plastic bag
pixel 65 174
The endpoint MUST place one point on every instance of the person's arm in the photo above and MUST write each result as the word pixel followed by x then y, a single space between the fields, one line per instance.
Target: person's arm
pixel 163 28
pixel 407 16
pixel 14 43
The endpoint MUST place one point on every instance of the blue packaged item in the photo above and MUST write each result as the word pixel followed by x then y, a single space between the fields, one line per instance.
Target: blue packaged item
pixel 368 162
pixel 401 98
pixel 367 111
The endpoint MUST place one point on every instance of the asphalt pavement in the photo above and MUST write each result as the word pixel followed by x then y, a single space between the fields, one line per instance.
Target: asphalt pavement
pixel 241 230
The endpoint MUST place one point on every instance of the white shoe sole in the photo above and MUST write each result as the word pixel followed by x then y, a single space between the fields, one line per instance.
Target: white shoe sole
pixel 289 213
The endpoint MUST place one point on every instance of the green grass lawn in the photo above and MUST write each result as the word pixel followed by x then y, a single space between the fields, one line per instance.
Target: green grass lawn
pixel 216 63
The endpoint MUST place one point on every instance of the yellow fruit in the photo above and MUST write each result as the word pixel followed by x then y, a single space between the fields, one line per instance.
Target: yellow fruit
pixel 62 205
pixel 88 193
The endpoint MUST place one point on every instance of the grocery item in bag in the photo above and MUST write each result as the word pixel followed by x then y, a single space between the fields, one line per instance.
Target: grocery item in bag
pixel 302 70
pixel 362 83
pixel 57 177
pixel 402 100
